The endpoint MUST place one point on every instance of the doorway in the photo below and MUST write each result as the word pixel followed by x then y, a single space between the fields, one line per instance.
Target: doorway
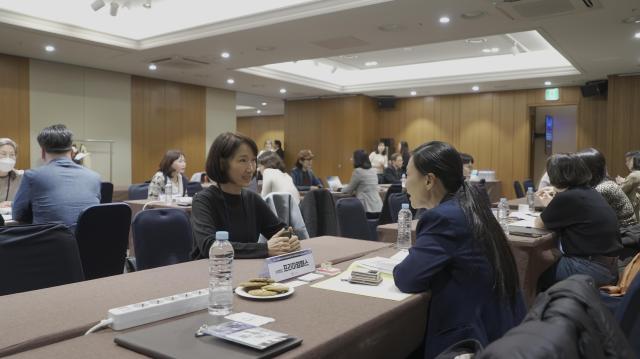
pixel 553 131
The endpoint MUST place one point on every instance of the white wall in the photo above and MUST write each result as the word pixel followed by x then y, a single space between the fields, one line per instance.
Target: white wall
pixel 564 134
pixel 221 114
pixel 94 104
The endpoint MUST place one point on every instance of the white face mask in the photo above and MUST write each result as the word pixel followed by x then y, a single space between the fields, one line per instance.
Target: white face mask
pixel 6 164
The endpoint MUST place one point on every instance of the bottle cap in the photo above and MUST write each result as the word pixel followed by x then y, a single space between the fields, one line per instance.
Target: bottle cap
pixel 222 235
pixel 405 206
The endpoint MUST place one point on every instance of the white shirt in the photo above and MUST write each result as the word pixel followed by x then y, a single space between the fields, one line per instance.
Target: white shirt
pixel 378 161
pixel 274 180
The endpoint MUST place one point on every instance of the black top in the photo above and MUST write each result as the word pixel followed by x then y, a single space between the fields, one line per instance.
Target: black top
pixel 405 162
pixel 585 222
pixel 392 175
pixel 244 216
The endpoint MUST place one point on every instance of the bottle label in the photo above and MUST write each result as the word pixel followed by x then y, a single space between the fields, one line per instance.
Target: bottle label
pixel 290 265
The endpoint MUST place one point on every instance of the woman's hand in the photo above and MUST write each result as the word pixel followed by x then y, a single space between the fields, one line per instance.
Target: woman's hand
pixel 546 194
pixel 280 243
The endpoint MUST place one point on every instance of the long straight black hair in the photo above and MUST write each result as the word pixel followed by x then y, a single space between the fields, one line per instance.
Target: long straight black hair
pixel 444 162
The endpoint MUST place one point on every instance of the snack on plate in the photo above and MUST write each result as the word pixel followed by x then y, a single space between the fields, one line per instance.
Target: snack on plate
pixel 262 293
pixel 262 280
pixel 276 287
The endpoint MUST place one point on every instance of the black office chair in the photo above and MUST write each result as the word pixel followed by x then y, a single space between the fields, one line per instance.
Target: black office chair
pixel 37 256
pixel 193 188
pixel 517 187
pixel 395 204
pixel 386 215
pixel 528 183
pixel 161 237
pixel 102 233
pixel 106 192
pixel 353 222
pixel 319 213
pixel 139 191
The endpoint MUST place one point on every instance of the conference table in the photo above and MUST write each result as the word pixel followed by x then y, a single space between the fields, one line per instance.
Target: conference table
pixel 533 255
pixel 514 203
pixel 50 322
pixel 382 191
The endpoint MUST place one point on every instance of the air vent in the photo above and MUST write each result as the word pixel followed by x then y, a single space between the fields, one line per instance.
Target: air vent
pixel 180 63
pixel 534 9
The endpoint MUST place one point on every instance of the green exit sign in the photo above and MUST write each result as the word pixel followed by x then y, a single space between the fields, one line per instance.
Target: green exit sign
pixel 552 94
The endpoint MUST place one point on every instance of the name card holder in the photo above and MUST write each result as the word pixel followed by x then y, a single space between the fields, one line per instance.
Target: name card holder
pixel 290 265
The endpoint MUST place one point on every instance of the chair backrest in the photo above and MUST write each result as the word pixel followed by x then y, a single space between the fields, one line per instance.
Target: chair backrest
pixel 102 233
pixel 628 314
pixel 138 191
pixel 193 188
pixel 395 204
pixel 385 214
pixel 106 192
pixel 161 237
pixel 319 213
pixel 528 183
pixel 284 206
pixel 517 187
pixel 37 256
pixel 352 219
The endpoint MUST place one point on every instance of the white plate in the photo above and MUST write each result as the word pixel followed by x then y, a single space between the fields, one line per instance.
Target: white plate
pixel 240 291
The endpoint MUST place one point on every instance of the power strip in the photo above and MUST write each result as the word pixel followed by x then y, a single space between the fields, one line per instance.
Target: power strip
pixel 158 309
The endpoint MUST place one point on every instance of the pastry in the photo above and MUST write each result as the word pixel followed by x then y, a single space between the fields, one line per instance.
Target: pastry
pixel 262 293
pixel 276 287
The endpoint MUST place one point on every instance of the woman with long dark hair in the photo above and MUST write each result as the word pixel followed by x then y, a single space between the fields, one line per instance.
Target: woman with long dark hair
pixel 461 255
pixel 364 184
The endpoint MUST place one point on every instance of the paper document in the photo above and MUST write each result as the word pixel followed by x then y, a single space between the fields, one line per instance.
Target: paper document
pixel 383 265
pixel 248 318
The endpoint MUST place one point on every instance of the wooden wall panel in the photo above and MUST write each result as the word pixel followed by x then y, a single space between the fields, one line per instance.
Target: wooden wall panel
pixel 622 130
pixel 166 115
pixel 262 128
pixel 14 105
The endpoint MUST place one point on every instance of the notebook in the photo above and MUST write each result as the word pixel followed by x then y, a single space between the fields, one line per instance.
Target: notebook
pixel 176 339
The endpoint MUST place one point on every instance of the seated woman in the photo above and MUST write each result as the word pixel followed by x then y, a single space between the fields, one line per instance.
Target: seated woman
pixel 364 183
pixel 274 177
pixel 461 255
pixel 586 224
pixel 302 175
pixel 10 178
pixel 228 206
pixel 171 168
pixel 613 194
pixel 631 184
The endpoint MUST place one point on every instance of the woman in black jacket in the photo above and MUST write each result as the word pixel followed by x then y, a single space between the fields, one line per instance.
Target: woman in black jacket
pixel 227 206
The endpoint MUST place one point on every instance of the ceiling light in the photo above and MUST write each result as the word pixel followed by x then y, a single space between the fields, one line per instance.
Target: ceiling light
pixel 225 55
pixel 547 83
pixel 259 112
pixel 476 88
pixel 371 63
pixel 231 81
pixel 495 49
pixel 486 51
pixel 413 93
pixel 50 48
pixel 637 35
pixel 471 15
pixel 147 4
pixel 632 19
pixel 283 90
pixel 114 8
pixel 97 5
pixel 264 104
pixel 480 40
pixel 153 67
pixel 444 20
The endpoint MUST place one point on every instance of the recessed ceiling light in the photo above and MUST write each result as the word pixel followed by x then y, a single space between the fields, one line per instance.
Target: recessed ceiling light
pixel 50 48
pixel 413 93
pixel 259 112
pixel 264 104
pixel 480 40
pixel 495 49
pixel 637 35
pixel 153 67
pixel 231 81
pixel 371 63
pixel 486 51
pixel 632 19
pixel 476 88
pixel 283 90
pixel 471 15
pixel 265 48
pixel 547 83
pixel 225 55
pixel 147 4
pixel 444 20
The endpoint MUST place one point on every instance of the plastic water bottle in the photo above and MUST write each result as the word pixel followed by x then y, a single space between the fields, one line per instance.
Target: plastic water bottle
pixel 531 200
pixel 403 181
pixel 168 191
pixel 404 227
pixel 503 214
pixel 220 274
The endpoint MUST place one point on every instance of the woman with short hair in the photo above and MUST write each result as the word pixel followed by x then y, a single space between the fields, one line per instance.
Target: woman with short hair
pixel 274 177
pixel 302 175
pixel 364 183
pixel 170 170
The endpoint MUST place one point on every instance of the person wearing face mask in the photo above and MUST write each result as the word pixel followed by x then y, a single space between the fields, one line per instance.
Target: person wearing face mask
pixel 461 255
pixel 171 168
pixel 10 178
pixel 229 206
pixel 59 190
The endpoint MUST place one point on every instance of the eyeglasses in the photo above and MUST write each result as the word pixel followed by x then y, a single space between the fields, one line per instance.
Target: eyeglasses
pixel 8 155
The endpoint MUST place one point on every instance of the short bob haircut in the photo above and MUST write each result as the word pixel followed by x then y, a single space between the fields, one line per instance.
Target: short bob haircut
pixel 466 158
pixel 272 160
pixel 7 141
pixel 168 159
pixel 567 171
pixel 303 155
pixel 596 164
pixel 56 139
pixel 222 150
pixel 361 160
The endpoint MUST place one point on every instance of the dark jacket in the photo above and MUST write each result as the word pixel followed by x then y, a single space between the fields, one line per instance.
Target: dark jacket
pixel 319 213
pixel 209 214
pixel 391 175
pixel 567 321
pixel 445 261
pixel 297 175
